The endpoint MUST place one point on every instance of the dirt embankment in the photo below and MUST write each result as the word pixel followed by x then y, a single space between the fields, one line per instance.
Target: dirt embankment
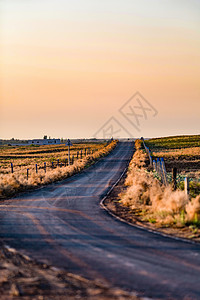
pixel 22 278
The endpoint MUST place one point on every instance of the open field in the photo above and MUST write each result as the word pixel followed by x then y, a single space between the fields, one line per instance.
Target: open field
pixel 27 156
pixel 52 164
pixel 174 142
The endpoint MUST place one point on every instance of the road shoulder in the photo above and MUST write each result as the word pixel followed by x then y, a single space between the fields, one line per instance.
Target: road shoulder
pixel 24 278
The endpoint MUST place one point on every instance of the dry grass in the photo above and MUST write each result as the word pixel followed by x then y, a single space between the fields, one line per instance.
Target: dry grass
pixel 27 156
pixel 156 201
pixel 176 153
pixel 174 142
pixel 10 184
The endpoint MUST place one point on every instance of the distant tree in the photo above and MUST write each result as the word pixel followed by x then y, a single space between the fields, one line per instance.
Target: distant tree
pixel 45 137
pixel 61 140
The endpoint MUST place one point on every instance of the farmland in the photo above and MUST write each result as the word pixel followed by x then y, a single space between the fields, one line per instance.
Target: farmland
pixel 27 156
pixel 52 164
pixel 174 142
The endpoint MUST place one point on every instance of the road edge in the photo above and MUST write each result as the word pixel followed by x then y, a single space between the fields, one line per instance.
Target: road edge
pixel 103 206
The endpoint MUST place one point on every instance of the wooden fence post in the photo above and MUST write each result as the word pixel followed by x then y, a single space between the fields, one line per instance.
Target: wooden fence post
pixel 148 152
pixel 77 154
pixel 186 185
pixel 58 163
pixel 52 164
pixel 161 171
pixel 149 155
pixel 11 167
pixel 36 170
pixel 158 166
pixel 154 164
pixel 69 155
pixel 45 167
pixel 164 171
pixel 151 160
pixel 81 154
pixel 27 174
pixel 174 183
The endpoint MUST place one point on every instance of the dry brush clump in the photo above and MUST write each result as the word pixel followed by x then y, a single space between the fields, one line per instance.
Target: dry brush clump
pixel 10 184
pixel 158 202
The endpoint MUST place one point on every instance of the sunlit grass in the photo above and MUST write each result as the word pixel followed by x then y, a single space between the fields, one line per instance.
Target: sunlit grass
pixel 174 142
pixel 176 153
pixel 157 203
pixel 27 156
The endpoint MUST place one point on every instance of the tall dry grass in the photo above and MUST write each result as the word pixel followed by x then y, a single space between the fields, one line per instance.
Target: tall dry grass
pixel 159 202
pixel 10 184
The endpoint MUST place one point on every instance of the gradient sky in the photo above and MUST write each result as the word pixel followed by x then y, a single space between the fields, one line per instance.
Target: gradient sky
pixel 68 66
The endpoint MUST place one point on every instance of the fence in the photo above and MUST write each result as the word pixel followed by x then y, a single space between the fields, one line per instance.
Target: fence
pixel 159 166
pixel 54 164
pixel 148 152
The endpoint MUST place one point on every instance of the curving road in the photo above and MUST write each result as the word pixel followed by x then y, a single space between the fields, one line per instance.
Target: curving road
pixel 64 225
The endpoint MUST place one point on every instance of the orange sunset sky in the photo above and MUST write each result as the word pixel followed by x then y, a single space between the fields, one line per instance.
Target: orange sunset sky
pixel 67 67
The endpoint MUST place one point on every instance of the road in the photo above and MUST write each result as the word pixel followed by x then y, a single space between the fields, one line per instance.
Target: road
pixel 64 225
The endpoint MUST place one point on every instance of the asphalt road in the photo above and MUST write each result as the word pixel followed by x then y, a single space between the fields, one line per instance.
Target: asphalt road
pixel 64 225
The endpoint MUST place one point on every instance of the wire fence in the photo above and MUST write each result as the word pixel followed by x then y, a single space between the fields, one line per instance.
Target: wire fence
pixel 49 165
pixel 158 166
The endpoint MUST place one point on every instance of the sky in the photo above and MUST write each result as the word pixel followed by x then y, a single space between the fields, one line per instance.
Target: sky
pixel 90 68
